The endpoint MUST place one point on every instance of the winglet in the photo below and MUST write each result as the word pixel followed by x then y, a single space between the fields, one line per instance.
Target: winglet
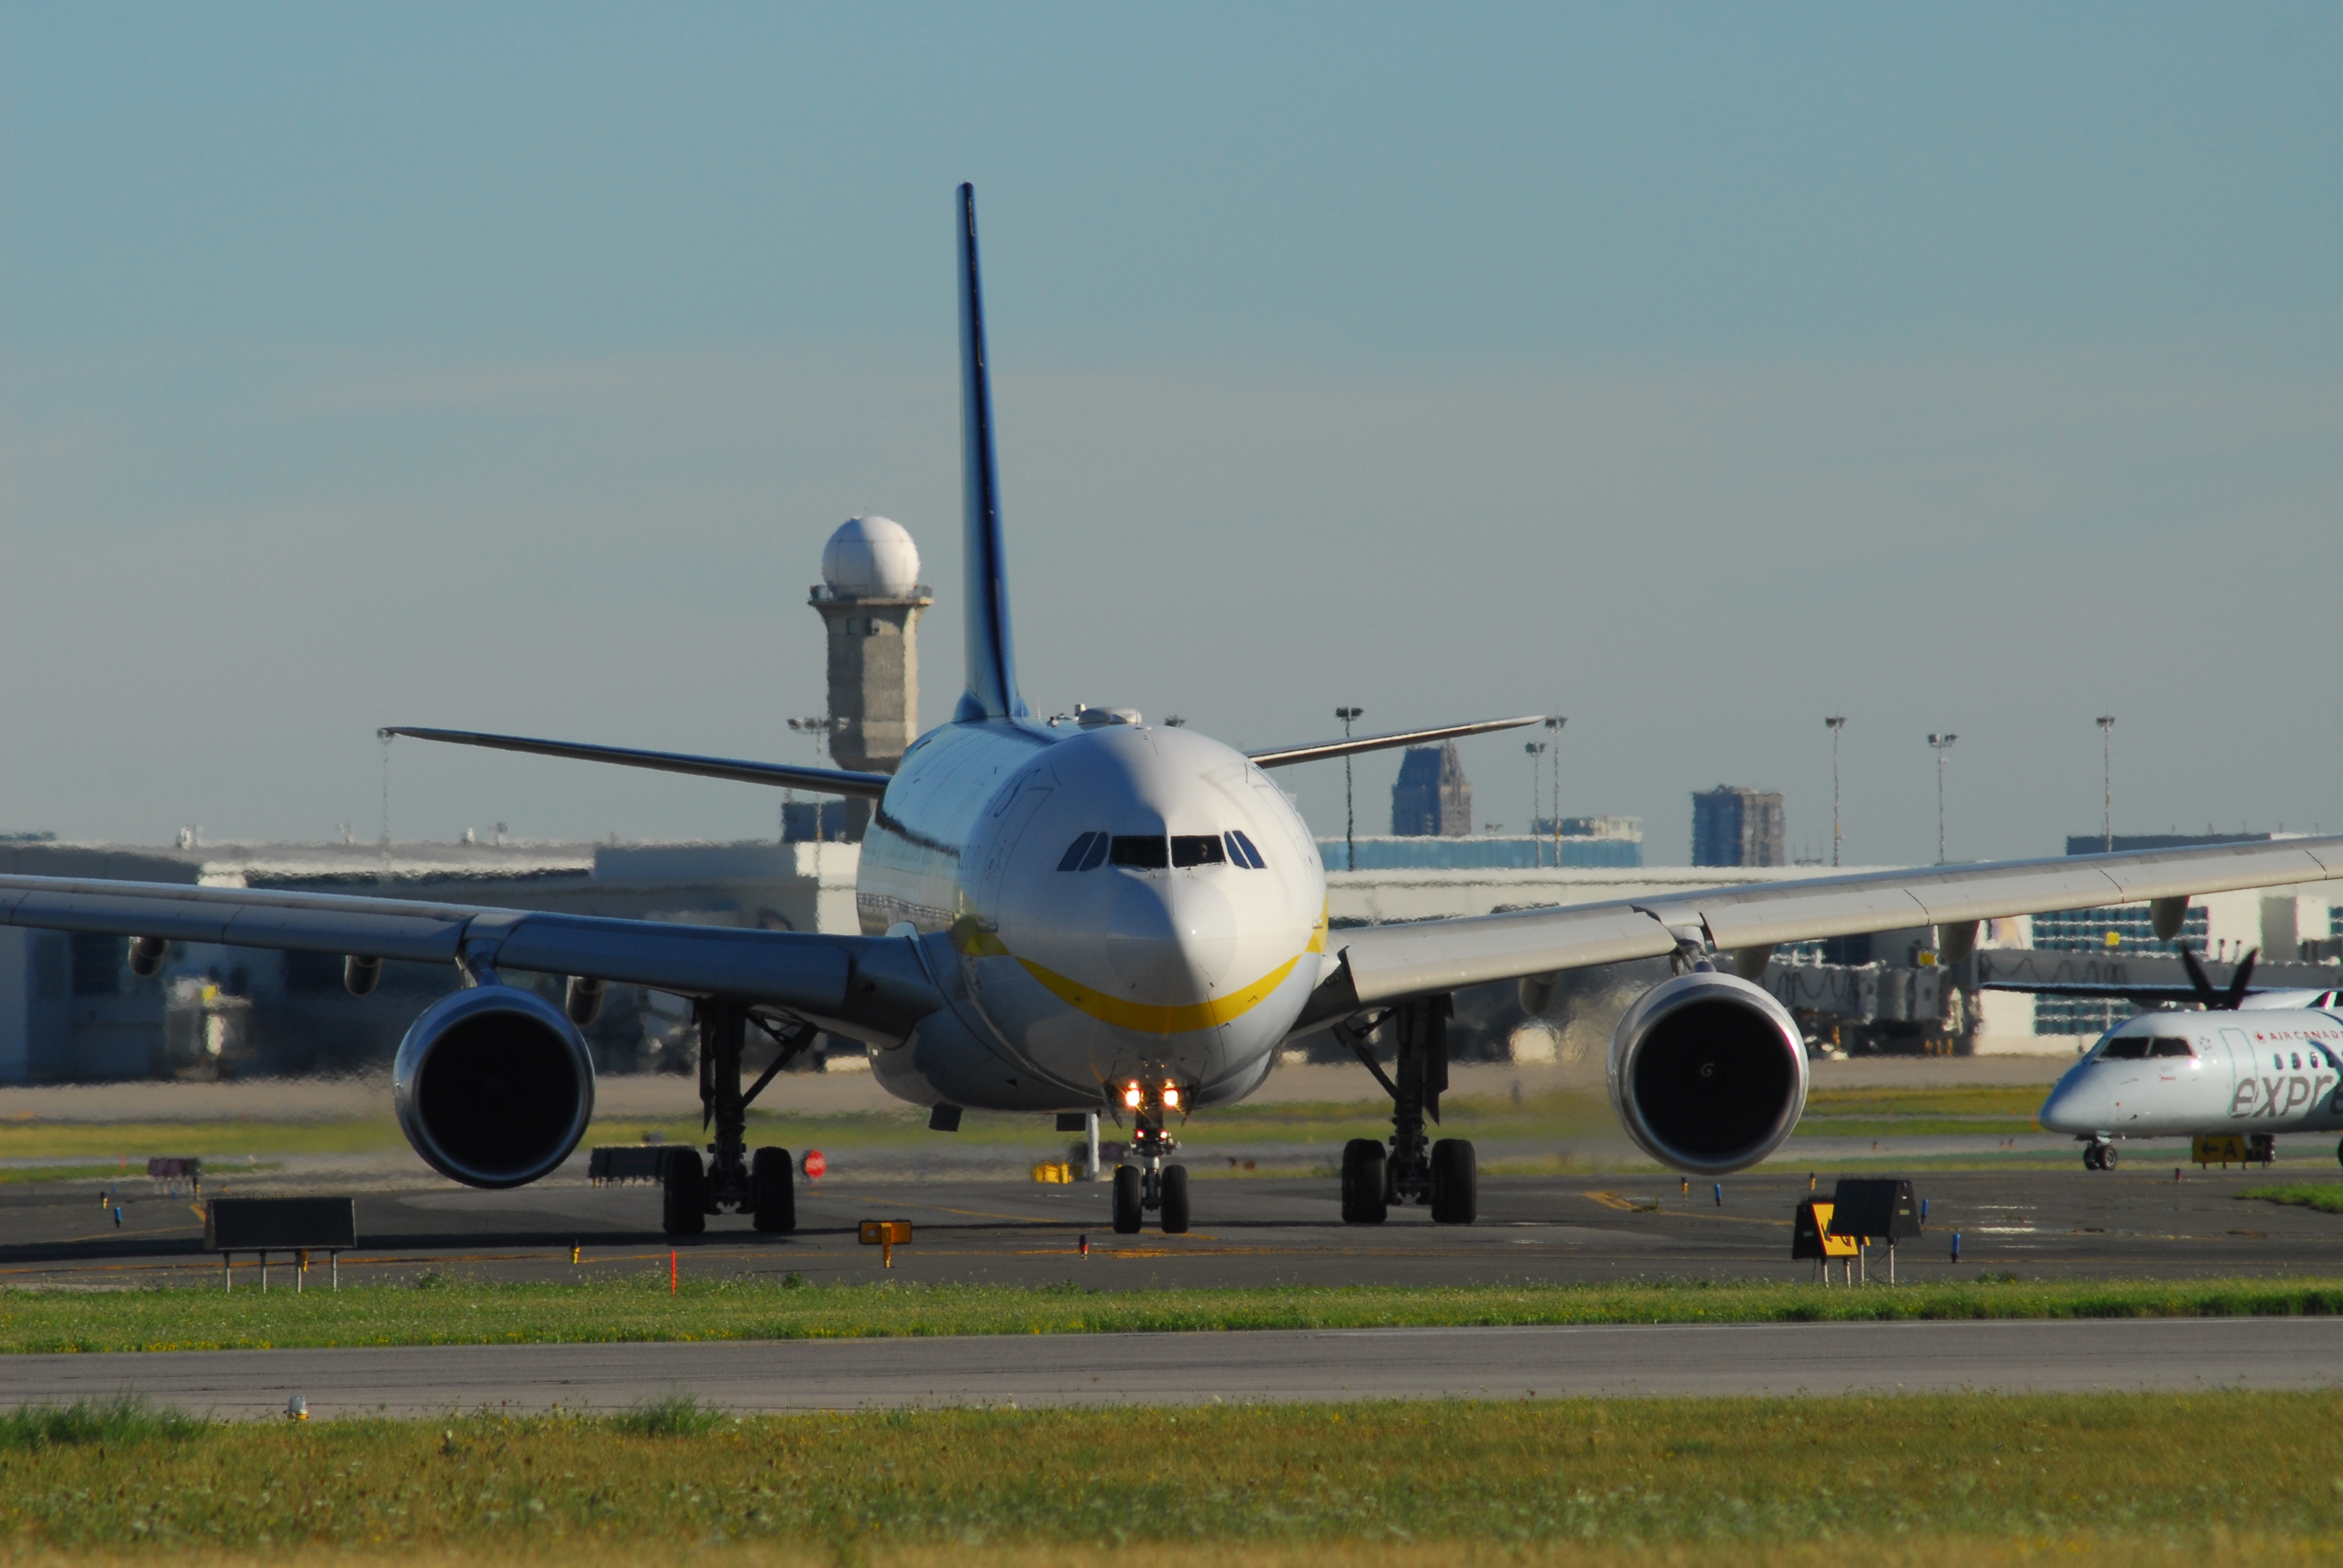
pixel 992 659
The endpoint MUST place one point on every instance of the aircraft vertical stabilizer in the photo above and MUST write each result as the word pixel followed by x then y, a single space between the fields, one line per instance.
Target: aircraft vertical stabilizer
pixel 992 659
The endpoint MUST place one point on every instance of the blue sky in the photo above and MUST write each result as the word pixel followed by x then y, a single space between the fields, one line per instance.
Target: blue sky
pixel 1693 372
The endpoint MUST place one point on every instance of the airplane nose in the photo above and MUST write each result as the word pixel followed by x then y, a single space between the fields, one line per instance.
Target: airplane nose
pixel 2076 1105
pixel 1170 941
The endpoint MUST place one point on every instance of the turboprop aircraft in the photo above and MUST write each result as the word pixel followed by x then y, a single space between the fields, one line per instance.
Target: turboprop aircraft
pixel 1103 916
pixel 2247 1067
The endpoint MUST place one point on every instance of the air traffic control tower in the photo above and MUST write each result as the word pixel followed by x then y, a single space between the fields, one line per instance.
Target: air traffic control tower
pixel 871 597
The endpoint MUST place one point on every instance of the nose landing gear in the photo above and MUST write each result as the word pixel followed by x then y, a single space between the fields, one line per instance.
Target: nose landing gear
pixel 2098 1154
pixel 1151 1184
pixel 1444 1175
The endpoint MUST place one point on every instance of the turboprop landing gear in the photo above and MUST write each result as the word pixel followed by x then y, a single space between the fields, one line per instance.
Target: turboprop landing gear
pixel 732 1181
pixel 2098 1154
pixel 1443 1175
pixel 1151 1184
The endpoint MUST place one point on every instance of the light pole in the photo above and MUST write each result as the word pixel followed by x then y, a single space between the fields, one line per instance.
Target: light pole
pixel 1349 819
pixel 818 732
pixel 1536 750
pixel 1942 744
pixel 1837 722
pixel 1554 724
pixel 2107 780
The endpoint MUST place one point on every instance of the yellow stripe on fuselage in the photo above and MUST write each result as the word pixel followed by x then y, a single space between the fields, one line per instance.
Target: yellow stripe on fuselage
pixel 974 940
pixel 1149 1018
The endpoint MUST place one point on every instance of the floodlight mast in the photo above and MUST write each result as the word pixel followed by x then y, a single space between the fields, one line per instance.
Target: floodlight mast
pixel 1536 750
pixel 1350 817
pixel 1554 724
pixel 2107 722
pixel 1941 744
pixel 1837 722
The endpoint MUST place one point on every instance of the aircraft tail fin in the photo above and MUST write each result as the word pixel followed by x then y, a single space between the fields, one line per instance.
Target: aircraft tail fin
pixel 991 656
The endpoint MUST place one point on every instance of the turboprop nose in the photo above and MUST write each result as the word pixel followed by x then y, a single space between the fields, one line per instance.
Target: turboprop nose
pixel 1170 941
pixel 2080 1103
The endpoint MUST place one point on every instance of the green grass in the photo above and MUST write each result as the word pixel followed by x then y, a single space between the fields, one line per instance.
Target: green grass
pixel 1560 1117
pixel 1934 1479
pixel 31 1428
pixel 2019 1100
pixel 130 1143
pixel 638 1307
pixel 2326 1197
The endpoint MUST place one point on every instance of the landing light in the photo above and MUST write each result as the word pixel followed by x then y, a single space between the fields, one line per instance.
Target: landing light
pixel 1171 1096
pixel 1132 1096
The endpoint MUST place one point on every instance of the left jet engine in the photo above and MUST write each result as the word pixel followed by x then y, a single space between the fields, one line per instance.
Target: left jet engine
pixel 494 1086
pixel 1707 1073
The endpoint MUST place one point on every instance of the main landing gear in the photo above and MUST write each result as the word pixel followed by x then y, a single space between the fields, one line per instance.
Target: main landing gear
pixel 1151 1184
pixel 733 1181
pixel 1443 1175
pixel 2098 1154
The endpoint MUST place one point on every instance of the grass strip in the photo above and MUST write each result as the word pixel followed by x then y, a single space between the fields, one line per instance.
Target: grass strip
pixel 2326 1197
pixel 1679 1480
pixel 636 1308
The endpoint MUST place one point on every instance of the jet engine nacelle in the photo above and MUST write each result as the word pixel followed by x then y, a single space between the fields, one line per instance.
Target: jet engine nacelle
pixel 494 1086
pixel 1707 1073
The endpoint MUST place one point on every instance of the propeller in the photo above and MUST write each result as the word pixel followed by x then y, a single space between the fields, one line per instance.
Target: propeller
pixel 2214 1001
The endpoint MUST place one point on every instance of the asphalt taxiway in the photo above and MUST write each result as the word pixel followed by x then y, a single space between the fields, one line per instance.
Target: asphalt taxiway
pixel 2135 1222
pixel 1259 1367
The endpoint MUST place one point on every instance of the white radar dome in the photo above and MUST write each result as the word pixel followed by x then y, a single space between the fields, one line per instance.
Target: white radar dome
pixel 871 557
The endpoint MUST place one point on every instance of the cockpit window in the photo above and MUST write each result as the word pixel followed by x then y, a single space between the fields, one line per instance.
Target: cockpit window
pixel 2170 1045
pixel 1242 851
pixel 1146 854
pixel 1074 852
pixel 2126 1047
pixel 1196 850
pixel 1097 857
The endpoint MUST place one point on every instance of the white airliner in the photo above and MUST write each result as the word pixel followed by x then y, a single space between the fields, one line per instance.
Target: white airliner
pixel 1103 917
pixel 2250 1065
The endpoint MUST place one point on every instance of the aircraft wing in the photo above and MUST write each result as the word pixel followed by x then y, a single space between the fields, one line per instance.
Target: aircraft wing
pixel 1350 745
pixel 1382 964
pixel 821 781
pixel 797 971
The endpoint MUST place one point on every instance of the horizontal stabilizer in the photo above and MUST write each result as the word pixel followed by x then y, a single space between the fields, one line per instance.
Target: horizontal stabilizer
pixel 1350 745
pixel 819 780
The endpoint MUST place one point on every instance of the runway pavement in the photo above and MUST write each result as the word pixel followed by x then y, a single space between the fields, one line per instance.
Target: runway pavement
pixel 1263 1367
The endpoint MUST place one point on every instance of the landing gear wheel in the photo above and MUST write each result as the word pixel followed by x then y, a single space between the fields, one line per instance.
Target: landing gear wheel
pixel 1455 1183
pixel 1175 1201
pixel 1126 1200
pixel 2107 1158
pixel 683 1193
pixel 772 1192
pixel 1364 1199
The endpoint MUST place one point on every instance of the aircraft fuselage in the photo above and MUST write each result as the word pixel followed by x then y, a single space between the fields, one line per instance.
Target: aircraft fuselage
pixel 1088 902
pixel 2165 1074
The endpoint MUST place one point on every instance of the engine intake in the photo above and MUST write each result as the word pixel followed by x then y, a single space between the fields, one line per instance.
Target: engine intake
pixel 1708 1074
pixel 494 1086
